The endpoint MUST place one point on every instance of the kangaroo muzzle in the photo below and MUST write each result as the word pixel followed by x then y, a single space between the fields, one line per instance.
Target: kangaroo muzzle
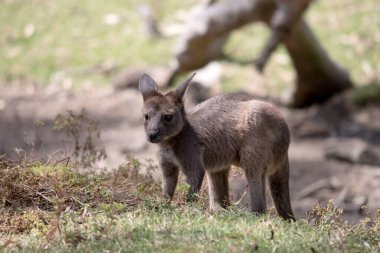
pixel 153 136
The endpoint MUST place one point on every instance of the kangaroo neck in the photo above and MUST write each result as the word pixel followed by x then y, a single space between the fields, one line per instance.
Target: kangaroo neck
pixel 186 136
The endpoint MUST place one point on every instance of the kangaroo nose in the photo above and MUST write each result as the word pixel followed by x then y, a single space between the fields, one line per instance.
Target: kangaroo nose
pixel 153 136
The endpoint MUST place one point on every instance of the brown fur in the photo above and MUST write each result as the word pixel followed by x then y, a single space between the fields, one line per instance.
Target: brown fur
pixel 222 131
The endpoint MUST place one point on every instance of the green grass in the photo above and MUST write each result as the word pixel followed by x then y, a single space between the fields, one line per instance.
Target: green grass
pixel 188 229
pixel 366 95
pixel 69 35
pixel 158 227
pixel 123 212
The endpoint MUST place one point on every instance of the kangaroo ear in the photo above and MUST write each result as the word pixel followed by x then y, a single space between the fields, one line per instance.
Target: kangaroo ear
pixel 180 91
pixel 148 86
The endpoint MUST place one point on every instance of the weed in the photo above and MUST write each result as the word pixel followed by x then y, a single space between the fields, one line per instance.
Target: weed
pixel 321 215
pixel 84 131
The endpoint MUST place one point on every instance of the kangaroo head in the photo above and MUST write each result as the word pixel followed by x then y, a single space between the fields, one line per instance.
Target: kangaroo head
pixel 164 114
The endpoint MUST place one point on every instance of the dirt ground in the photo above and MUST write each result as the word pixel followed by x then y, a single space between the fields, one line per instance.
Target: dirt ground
pixel 313 176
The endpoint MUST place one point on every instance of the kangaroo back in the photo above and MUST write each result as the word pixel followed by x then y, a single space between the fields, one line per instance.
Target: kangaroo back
pixel 228 124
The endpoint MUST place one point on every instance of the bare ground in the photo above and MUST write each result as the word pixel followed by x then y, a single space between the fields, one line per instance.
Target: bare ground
pixel 313 176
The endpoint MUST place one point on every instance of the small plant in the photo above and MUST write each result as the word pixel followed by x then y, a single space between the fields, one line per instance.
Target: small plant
pixel 321 215
pixel 113 208
pixel 84 131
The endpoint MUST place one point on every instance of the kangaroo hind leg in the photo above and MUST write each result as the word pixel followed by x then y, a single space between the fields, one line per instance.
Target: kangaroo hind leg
pixel 255 173
pixel 218 189
pixel 279 187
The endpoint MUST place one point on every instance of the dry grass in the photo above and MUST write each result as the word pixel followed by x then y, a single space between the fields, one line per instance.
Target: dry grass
pixel 33 194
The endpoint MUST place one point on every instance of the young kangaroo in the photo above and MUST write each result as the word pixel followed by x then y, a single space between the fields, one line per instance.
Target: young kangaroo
pixel 222 131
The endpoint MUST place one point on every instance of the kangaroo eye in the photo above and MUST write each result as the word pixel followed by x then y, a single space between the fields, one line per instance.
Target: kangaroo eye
pixel 146 117
pixel 168 118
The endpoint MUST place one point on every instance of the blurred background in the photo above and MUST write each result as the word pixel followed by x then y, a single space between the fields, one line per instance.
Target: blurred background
pixel 57 56
pixel 41 39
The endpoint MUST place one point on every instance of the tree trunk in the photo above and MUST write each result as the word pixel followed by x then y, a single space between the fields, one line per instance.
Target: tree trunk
pixel 318 77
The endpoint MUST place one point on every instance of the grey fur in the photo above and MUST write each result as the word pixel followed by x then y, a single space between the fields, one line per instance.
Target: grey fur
pixel 148 86
pixel 222 131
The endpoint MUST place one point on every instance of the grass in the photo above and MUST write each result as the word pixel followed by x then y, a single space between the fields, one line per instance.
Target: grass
pixel 57 209
pixel 42 39
pixel 69 35
pixel 369 94
pixel 57 206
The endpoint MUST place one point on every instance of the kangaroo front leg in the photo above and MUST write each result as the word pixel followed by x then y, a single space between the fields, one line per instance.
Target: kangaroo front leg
pixel 195 182
pixel 169 179
pixel 194 173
